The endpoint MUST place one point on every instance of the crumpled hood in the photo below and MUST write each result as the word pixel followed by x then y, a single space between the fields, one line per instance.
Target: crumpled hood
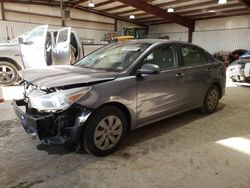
pixel 65 75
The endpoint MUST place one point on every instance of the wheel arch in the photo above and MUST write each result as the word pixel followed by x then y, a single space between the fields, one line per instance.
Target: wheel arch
pixel 123 108
pixel 11 61
pixel 219 87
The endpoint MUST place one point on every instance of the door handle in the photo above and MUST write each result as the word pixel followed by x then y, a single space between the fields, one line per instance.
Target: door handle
pixel 179 75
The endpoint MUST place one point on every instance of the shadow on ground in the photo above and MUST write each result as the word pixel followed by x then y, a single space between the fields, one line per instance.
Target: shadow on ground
pixel 140 135
pixel 165 126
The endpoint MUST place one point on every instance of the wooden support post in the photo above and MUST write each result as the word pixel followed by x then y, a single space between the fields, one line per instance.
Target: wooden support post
pixel 115 25
pixel 190 33
pixel 246 2
pixel 62 14
pixel 2 10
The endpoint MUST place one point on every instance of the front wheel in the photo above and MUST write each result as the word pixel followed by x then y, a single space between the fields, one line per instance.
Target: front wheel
pixel 105 131
pixel 211 100
pixel 8 73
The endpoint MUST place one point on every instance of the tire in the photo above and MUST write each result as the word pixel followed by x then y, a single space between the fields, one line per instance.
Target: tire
pixel 104 131
pixel 211 100
pixel 8 73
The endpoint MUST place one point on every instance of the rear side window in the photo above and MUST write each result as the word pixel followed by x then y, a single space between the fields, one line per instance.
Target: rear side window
pixel 193 55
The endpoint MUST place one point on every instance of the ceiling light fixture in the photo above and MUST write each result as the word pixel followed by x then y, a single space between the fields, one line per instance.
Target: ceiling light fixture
pixel 212 11
pixel 221 2
pixel 171 10
pixel 91 4
pixel 132 16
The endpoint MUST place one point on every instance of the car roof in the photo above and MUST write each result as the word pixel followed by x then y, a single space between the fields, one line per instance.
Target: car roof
pixel 153 41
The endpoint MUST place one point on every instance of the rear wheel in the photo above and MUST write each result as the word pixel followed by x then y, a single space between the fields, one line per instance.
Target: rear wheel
pixel 104 131
pixel 211 100
pixel 8 73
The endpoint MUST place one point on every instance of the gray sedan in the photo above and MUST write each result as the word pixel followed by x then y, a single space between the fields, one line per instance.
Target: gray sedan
pixel 116 89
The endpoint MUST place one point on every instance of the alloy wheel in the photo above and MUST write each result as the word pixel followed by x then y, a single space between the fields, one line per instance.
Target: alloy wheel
pixel 7 74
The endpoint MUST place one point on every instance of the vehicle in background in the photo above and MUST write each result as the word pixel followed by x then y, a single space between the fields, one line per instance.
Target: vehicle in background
pixel 245 55
pixel 228 57
pixel 235 55
pixel 222 56
pixel 38 48
pixel 118 88
pixel 131 33
pixel 236 70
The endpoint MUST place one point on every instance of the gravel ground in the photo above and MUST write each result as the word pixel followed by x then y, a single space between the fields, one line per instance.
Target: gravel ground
pixel 183 151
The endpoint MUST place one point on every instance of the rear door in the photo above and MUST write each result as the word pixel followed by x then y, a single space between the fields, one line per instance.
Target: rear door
pixel 33 49
pixel 62 49
pixel 160 94
pixel 198 75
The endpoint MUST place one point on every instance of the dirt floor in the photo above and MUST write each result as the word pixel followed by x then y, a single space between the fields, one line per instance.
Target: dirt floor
pixel 189 150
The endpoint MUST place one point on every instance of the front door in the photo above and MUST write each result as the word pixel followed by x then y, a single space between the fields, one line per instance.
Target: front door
pixel 33 49
pixel 160 94
pixel 62 49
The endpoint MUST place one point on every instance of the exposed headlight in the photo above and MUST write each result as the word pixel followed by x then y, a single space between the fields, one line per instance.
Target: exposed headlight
pixel 60 100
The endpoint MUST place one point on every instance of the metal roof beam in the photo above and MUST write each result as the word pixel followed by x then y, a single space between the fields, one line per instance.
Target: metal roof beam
pixel 79 2
pixel 151 9
pixel 246 2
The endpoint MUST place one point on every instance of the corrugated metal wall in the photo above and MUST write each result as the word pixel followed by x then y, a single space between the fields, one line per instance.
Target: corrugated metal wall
pixel 14 29
pixel 214 35
pixel 226 40
pixel 174 31
pixel 20 18
pixel 180 36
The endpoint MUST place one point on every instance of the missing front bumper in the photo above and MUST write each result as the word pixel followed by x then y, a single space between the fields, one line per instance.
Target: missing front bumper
pixel 52 128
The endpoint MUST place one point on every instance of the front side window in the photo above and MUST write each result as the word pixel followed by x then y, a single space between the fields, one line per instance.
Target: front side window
pixel 193 55
pixel 63 36
pixel 36 36
pixel 163 56
pixel 116 57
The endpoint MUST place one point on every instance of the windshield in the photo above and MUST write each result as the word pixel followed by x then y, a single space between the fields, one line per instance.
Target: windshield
pixel 116 57
pixel 129 32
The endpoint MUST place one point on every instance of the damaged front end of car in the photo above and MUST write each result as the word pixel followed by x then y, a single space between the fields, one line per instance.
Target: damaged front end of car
pixel 52 114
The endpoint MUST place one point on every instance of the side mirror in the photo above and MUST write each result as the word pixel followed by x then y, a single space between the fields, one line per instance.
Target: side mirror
pixel 149 69
pixel 20 40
